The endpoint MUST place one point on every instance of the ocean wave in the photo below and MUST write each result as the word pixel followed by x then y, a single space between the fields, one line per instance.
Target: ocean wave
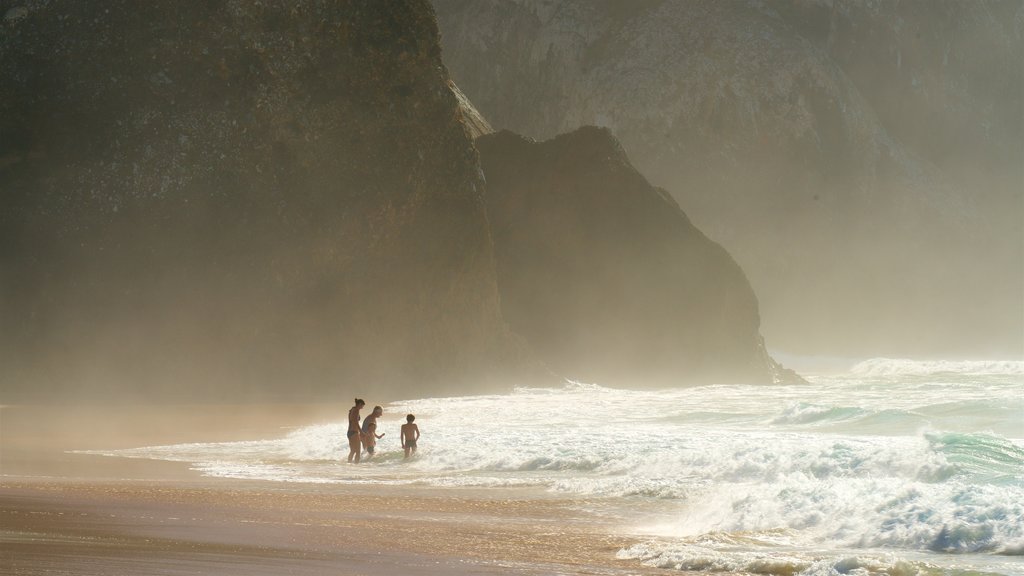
pixel 730 457
pixel 981 457
pixel 995 408
pixel 950 517
pixel 889 421
pixel 664 456
pixel 568 386
pixel 667 488
pixel 810 413
pixel 999 415
pixel 906 367
pixel 691 557
pixel 856 463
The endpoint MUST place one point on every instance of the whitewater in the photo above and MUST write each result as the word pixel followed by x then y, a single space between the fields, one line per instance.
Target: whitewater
pixel 890 467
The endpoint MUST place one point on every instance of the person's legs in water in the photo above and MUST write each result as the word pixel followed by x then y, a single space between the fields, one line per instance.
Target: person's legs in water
pixel 368 443
pixel 355 447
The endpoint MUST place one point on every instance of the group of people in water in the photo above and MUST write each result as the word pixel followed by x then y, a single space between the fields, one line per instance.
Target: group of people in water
pixel 365 437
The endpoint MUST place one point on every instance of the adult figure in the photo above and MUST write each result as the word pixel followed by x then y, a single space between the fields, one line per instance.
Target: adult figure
pixel 370 435
pixel 355 446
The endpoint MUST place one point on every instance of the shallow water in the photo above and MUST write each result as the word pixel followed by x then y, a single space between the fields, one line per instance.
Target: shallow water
pixel 892 467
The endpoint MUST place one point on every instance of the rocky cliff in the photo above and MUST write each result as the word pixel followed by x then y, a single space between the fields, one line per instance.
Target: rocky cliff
pixel 216 199
pixel 605 276
pixel 860 159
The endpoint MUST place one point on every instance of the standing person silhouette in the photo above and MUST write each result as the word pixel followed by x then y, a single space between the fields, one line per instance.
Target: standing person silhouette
pixel 370 435
pixel 410 434
pixel 355 445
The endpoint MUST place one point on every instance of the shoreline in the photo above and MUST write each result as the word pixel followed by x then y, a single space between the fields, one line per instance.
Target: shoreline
pixel 47 441
pixel 86 514
pixel 256 527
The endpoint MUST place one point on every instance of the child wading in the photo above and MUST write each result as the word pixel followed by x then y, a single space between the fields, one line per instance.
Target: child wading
pixel 410 434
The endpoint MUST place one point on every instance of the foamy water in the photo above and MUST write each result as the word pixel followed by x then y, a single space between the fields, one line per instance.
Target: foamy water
pixel 896 467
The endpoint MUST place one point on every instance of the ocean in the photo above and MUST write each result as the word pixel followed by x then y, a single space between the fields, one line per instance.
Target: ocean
pixel 893 467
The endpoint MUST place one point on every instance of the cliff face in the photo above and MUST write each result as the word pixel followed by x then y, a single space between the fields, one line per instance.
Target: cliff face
pixel 605 276
pixel 860 159
pixel 223 197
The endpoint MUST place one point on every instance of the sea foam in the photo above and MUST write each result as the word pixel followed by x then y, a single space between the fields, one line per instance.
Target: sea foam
pixel 906 367
pixel 724 477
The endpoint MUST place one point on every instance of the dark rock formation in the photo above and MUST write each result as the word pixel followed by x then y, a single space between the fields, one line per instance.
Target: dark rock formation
pixel 211 199
pixel 861 160
pixel 605 276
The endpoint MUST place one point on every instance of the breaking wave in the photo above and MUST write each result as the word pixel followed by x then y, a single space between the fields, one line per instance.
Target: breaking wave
pixel 738 478
pixel 905 367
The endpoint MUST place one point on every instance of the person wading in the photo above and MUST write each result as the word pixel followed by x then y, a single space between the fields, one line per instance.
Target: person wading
pixel 370 435
pixel 355 445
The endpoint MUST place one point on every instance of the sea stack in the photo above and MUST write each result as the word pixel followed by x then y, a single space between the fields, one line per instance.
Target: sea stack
pixel 605 276
pixel 860 160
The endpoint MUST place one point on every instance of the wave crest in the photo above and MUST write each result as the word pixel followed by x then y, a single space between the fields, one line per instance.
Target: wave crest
pixel 906 367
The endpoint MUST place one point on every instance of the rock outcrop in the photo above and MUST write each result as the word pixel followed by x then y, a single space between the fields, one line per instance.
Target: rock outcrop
pixel 605 276
pixel 860 159
pixel 214 199
pixel 474 121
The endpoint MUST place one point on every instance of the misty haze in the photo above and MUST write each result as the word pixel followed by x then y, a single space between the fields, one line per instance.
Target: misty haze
pixel 512 287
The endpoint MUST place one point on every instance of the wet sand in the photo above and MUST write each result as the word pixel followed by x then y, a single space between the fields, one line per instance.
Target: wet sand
pixel 85 515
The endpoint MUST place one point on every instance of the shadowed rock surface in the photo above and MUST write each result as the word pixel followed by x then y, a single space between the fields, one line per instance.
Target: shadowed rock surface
pixel 214 199
pixel 861 160
pixel 605 276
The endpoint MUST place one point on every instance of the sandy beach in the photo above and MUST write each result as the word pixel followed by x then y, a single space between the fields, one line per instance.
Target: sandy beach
pixel 65 513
